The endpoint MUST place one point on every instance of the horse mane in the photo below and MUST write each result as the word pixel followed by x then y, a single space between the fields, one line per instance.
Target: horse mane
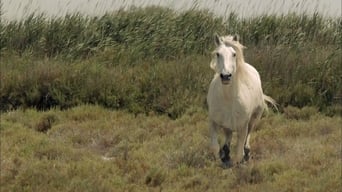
pixel 232 41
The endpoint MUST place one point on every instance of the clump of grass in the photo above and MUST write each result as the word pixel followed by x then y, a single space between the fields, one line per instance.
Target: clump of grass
pixel 46 123
pixel 155 177
pixel 333 110
pixel 189 158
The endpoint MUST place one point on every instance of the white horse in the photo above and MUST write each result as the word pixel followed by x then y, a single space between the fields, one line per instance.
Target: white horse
pixel 235 99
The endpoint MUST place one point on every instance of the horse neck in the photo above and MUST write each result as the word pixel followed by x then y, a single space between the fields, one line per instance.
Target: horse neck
pixel 241 66
pixel 240 61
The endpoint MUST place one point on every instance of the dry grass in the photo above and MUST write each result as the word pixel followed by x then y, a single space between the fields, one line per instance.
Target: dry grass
pixel 154 153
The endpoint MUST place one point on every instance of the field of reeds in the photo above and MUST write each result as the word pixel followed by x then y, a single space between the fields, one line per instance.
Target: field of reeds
pixel 117 102
pixel 156 60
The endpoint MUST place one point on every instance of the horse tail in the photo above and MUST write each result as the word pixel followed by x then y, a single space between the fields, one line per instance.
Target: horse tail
pixel 270 100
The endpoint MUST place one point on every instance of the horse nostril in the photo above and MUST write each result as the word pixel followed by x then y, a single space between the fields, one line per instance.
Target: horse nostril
pixel 225 76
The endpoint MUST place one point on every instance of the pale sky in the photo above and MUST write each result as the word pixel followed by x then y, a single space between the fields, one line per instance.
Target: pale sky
pixel 17 9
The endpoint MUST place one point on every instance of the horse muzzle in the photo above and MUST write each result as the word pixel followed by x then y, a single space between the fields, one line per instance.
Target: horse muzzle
pixel 225 78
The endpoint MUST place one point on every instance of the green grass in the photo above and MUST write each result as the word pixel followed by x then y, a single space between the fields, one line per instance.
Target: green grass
pixel 152 153
pixel 157 60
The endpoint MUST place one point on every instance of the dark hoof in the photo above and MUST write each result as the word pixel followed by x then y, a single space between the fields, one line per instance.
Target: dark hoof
pixel 224 154
pixel 246 156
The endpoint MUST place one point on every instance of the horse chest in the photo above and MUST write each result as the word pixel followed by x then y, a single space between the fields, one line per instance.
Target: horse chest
pixel 228 108
pixel 228 116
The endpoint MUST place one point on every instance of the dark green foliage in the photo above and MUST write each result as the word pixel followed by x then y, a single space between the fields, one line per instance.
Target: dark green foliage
pixel 157 60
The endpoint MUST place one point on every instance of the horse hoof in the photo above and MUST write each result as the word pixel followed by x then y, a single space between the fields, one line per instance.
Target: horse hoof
pixel 246 156
pixel 224 153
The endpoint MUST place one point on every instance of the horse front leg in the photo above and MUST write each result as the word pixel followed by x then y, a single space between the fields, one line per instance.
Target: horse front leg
pixel 214 145
pixel 251 125
pixel 225 150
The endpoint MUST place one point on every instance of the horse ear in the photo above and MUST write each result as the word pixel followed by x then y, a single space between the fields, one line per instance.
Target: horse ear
pixel 236 37
pixel 217 39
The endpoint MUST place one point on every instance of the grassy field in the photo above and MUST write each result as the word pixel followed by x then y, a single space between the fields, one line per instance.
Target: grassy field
pixel 117 103
pixel 89 148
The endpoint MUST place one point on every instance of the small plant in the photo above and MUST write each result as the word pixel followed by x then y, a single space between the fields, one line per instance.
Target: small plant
pixel 45 123
pixel 155 177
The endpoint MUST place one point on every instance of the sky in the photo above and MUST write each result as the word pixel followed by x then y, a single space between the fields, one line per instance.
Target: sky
pixel 18 9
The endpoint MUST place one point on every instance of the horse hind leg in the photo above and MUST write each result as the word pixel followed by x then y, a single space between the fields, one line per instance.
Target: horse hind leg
pixel 254 119
pixel 247 149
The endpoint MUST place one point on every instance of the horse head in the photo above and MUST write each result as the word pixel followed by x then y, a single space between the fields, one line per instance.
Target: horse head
pixel 225 58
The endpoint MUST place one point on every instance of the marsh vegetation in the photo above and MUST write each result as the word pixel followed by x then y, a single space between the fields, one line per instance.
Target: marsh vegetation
pixel 130 86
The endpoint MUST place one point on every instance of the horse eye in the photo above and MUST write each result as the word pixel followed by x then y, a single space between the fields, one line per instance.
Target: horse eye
pixel 217 55
pixel 234 54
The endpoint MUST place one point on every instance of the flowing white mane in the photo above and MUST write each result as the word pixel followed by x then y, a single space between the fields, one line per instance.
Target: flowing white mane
pixel 230 41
